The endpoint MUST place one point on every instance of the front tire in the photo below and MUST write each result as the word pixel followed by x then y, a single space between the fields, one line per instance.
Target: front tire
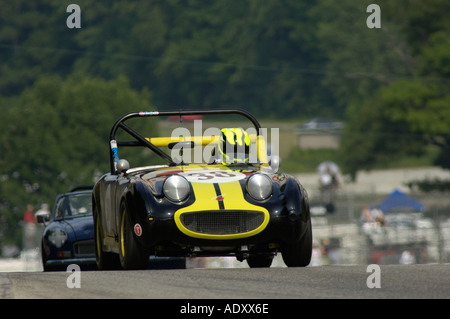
pixel 104 260
pixel 299 253
pixel 132 254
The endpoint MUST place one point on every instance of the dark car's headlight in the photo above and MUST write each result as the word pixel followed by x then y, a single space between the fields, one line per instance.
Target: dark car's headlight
pixel 259 186
pixel 176 188
pixel 57 237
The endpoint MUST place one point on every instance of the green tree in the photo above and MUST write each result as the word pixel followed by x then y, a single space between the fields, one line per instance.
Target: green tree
pixel 372 139
pixel 253 54
pixel 359 60
pixel 55 136
pixel 34 40
pixel 404 115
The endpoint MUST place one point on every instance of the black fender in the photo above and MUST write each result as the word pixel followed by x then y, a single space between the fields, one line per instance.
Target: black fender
pixel 297 207
pixel 139 202
pixel 296 199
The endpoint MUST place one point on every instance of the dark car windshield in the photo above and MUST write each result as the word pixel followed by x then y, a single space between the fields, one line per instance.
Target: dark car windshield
pixel 77 204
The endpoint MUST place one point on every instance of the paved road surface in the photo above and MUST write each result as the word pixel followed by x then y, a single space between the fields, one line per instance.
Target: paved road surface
pixel 397 281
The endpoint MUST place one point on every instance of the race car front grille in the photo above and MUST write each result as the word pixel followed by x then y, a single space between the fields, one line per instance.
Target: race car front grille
pixel 84 248
pixel 222 222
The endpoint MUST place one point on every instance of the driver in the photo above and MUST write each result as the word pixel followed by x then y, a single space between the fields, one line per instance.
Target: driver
pixel 234 146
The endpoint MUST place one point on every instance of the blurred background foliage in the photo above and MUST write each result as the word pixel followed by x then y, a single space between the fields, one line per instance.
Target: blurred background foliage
pixel 61 88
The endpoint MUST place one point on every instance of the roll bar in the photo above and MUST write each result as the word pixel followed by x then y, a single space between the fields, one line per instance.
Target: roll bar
pixel 142 141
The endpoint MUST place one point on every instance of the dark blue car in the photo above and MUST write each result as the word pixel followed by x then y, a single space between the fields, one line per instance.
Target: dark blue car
pixel 68 237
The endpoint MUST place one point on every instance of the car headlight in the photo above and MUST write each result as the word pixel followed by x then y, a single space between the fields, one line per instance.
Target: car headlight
pixel 259 186
pixel 176 188
pixel 57 238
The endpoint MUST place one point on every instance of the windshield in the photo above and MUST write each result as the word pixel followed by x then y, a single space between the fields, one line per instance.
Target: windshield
pixel 70 205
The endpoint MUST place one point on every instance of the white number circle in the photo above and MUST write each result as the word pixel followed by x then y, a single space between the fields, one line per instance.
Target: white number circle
pixel 213 176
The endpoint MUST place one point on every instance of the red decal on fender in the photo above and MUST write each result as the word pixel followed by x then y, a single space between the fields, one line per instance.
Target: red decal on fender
pixel 138 230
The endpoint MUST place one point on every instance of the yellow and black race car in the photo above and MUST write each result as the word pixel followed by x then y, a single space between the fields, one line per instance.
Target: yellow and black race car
pixel 233 202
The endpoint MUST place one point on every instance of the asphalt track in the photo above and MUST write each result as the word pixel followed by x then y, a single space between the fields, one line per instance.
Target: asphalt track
pixel 396 282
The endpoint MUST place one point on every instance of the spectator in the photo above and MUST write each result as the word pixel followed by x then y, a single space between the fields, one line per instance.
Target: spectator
pixel 28 216
pixel 29 228
pixel 365 214
pixel 376 215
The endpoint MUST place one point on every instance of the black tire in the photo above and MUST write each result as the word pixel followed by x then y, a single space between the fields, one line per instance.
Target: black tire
pixel 132 254
pixel 104 260
pixel 259 261
pixel 299 253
